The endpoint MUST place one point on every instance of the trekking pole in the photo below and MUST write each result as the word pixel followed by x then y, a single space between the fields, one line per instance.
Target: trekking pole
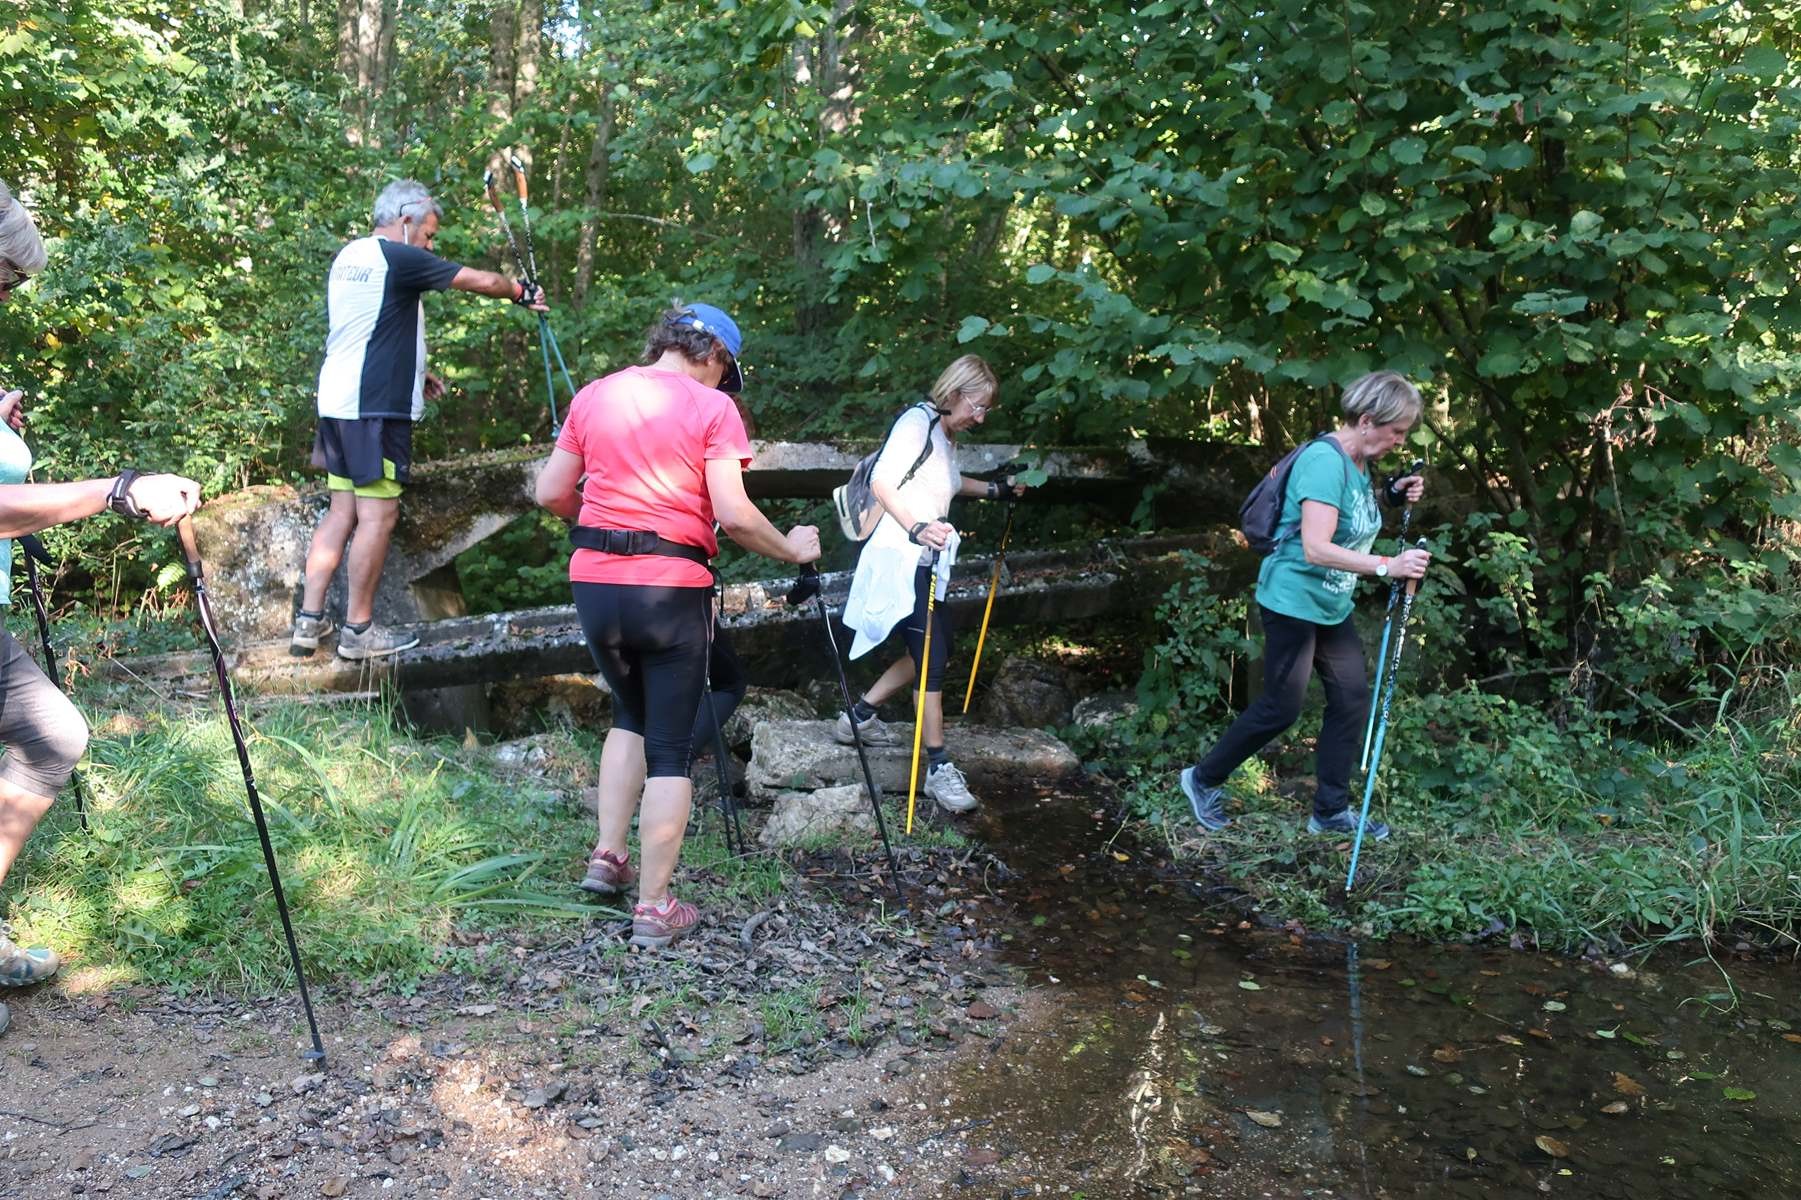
pixel 531 257
pixel 528 268
pixel 1388 619
pixel 925 672
pixel 728 804
pixel 203 609
pixel 35 554
pixel 808 585
pixel 994 583
pixel 1388 697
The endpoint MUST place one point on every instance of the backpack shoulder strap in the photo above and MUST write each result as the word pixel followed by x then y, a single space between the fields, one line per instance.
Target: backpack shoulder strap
pixel 933 416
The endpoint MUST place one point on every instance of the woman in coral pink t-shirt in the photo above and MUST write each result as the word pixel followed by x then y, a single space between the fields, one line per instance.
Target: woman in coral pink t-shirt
pixel 648 460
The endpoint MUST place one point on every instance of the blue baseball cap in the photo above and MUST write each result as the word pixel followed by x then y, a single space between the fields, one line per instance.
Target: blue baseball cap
pixel 708 319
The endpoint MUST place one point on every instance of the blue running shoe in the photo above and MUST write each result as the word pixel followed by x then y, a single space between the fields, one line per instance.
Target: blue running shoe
pixel 1206 803
pixel 1342 822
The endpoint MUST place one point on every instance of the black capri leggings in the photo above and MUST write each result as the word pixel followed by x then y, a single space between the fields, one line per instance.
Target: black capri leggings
pixel 944 634
pixel 725 674
pixel 651 644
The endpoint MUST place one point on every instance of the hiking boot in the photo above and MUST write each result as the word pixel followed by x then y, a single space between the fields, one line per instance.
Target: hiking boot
pixel 6 1018
pixel 656 925
pixel 946 785
pixel 21 966
pixel 873 732
pixel 308 633
pixel 1342 822
pixel 373 642
pixel 1208 804
pixel 608 873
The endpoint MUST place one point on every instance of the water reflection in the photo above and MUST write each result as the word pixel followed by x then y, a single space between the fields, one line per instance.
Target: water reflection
pixel 1179 1055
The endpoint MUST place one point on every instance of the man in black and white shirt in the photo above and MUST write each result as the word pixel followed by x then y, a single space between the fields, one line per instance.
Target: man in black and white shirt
pixel 372 387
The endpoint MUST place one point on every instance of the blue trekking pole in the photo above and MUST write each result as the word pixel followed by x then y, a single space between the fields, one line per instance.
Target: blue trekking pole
pixel 1388 618
pixel 1388 698
pixel 527 261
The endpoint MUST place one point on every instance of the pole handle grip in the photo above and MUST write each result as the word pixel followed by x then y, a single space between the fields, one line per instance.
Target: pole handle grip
pixel 492 189
pixel 519 176
pixel 806 584
pixel 190 547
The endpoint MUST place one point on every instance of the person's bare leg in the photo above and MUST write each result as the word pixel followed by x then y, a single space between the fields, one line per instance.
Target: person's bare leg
pixel 661 824
pixel 897 676
pixel 621 784
pixel 327 550
pixel 934 719
pixel 20 812
pixel 368 552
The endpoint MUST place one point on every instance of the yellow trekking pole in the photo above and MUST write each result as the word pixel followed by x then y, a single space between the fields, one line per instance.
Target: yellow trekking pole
pixel 994 584
pixel 925 673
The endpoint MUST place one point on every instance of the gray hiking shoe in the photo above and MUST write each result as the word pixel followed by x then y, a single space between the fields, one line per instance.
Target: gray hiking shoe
pixel 946 785
pixel 6 1018
pixel 308 633
pixel 873 732
pixel 22 966
pixel 1342 822
pixel 373 642
pixel 1208 804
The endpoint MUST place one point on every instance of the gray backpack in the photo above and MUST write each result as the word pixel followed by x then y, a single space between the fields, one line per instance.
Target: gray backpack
pixel 1260 516
pixel 854 503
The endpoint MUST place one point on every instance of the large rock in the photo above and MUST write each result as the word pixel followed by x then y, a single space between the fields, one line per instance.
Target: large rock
pixel 1029 693
pixel 1105 708
pixel 827 815
pixel 764 704
pixel 801 756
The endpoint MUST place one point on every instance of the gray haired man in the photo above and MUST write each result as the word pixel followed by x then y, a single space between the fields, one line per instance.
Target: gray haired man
pixel 372 387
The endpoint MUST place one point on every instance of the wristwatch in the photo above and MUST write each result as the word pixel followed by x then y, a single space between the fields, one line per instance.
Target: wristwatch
pixel 1381 566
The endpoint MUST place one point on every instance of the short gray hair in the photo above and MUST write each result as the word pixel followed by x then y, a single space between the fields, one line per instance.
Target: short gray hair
pixel 20 244
pixel 404 198
pixel 1384 397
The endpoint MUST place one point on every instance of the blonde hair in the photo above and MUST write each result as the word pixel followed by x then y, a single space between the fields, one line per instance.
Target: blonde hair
pixel 20 244
pixel 1385 397
pixel 968 374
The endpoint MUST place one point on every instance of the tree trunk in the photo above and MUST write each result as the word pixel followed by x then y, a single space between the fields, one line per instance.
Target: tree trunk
pixel 823 61
pixel 529 48
pixel 598 176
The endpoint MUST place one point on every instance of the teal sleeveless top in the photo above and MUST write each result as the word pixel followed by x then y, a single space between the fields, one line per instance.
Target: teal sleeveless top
pixel 15 465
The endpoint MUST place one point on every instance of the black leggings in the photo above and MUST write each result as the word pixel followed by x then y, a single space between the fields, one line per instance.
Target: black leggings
pixel 1291 649
pixel 725 674
pixel 651 644
pixel 913 631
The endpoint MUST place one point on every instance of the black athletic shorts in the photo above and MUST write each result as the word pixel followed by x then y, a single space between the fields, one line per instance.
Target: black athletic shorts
pixel 913 629
pixel 365 451
pixel 650 641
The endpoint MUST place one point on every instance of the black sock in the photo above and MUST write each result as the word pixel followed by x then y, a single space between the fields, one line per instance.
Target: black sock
pixel 936 756
pixel 861 711
pixel 358 626
pixel 316 616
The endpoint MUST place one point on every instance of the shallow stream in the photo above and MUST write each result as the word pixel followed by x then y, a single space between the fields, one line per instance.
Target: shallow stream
pixel 1172 1049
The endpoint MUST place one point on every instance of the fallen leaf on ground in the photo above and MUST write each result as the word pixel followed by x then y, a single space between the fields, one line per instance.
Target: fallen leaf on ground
pixel 1551 1146
pixel 1268 1120
pixel 1616 1108
pixel 1509 1039
pixel 1625 1085
pixel 1791 1037
pixel 1447 1054
pixel 1738 1093
pixel 1250 985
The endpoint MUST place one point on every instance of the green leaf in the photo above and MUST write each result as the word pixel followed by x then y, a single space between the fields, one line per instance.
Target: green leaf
pixel 972 328
pixel 1740 1094
pixel 1039 273
pixel 696 165
pixel 1585 225
pixel 1409 151
pixel 1763 62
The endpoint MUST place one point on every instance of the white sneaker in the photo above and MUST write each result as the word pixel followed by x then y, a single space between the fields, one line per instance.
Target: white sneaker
pixel 946 785
pixel 373 642
pixel 873 732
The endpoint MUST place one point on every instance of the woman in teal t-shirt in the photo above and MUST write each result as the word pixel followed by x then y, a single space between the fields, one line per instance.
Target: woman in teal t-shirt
pixel 1329 522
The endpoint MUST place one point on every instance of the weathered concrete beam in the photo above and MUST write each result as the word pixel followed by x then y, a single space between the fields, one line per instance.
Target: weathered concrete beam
pixel 255 541
pixel 781 646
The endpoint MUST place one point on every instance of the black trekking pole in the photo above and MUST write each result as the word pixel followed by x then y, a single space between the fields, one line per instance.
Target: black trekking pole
pixel 728 804
pixel 35 554
pixel 1388 699
pixel 1388 616
pixel 527 262
pixel 203 609
pixel 805 586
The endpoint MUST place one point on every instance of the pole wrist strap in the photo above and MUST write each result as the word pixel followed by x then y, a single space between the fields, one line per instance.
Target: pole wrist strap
pixel 119 498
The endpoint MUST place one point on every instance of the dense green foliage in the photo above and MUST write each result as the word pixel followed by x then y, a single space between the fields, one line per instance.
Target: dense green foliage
pixel 1574 222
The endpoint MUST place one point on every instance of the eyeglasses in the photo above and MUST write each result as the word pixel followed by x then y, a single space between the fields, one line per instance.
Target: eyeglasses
pixel 11 276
